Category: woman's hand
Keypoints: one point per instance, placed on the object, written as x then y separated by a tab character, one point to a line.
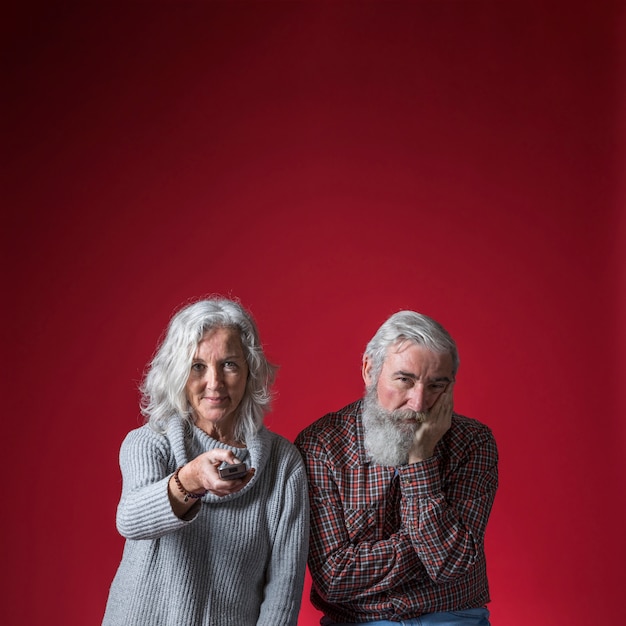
200	476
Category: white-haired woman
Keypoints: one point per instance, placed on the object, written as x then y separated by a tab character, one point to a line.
206	544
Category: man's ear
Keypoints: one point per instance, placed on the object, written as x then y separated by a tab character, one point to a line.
366	372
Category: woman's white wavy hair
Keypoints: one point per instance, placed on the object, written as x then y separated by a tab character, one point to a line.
409	326
163	387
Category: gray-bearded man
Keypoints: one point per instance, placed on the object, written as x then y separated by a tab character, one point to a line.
401	489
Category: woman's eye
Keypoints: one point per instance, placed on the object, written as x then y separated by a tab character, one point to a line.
198	367
230	365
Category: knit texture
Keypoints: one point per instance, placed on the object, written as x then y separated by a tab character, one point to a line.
237	560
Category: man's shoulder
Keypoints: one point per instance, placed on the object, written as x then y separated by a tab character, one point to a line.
332	426
469	424
466	430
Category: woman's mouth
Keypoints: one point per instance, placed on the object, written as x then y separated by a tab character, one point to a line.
214	399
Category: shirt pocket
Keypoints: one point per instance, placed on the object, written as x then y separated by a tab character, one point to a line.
361	524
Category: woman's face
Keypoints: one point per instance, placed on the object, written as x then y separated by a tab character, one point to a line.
217	381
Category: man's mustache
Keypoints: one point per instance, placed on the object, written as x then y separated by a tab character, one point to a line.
406	415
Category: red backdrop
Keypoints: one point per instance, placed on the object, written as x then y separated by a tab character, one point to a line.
328	164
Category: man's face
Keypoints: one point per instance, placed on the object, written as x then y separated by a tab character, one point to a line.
410	382
412	377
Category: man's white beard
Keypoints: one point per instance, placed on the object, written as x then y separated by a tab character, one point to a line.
388	440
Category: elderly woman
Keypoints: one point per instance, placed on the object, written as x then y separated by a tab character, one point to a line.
203	547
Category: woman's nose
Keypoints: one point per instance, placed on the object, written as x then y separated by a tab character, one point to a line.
213	378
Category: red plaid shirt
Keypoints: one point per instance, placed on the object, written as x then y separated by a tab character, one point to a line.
395	545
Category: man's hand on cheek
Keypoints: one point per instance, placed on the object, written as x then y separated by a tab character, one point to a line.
434	427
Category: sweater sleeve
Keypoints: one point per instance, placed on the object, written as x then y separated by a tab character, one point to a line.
286	567
144	511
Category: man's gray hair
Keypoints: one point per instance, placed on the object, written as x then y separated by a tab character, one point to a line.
163	387
409	326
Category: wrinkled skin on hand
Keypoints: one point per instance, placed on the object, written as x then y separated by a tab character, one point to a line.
434	427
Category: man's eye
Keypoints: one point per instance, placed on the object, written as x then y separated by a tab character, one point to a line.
437	386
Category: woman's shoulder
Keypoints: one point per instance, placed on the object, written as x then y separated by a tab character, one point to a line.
279	444
145	437
274	438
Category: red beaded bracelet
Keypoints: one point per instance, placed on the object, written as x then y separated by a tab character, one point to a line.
187	494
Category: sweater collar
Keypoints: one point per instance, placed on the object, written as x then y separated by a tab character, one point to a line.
186	445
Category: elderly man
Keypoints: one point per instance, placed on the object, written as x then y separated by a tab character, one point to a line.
401	489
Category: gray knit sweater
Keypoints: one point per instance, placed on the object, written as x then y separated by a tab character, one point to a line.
237	560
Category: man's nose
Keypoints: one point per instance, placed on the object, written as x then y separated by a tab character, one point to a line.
416	398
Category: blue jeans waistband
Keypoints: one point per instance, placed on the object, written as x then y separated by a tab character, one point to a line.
467	617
